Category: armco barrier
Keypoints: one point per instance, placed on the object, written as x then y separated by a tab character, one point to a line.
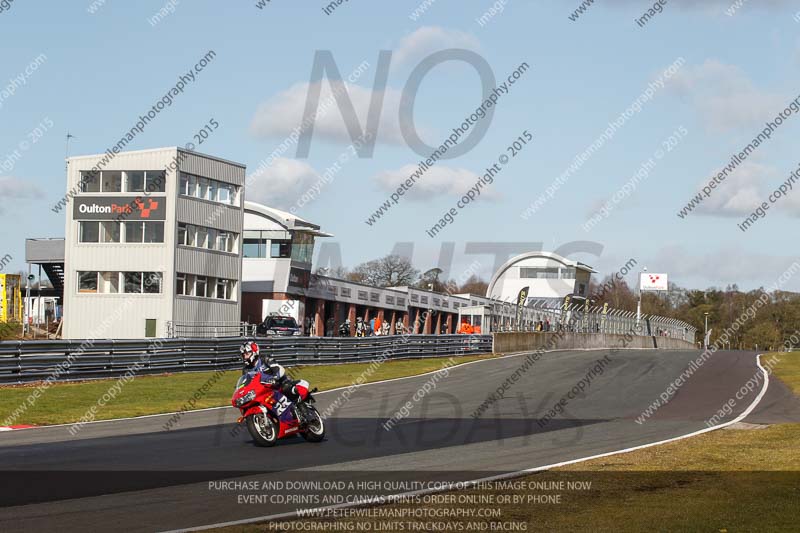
27	361
526	342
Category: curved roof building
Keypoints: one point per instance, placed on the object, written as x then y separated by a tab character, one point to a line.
550	277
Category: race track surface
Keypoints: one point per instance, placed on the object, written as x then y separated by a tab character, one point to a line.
134	475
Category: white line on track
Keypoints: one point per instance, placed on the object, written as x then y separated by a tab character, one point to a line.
466	484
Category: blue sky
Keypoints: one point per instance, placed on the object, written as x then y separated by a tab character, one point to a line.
103	69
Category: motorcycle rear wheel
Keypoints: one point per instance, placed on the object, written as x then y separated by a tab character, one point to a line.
262	429
315	427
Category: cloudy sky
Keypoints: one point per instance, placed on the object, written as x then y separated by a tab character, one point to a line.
102	64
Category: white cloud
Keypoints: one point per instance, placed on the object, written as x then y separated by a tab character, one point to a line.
437	181
429	39
15	188
741	192
281	114
749	186
721	267
724	97
281	184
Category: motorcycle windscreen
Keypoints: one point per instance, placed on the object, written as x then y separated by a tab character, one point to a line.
245	380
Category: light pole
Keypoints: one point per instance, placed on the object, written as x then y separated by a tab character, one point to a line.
705	333
639	303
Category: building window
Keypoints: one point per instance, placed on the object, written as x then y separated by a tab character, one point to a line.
153	232
202	237
346	292
200	286
110	231
180	284
362	295
213	239
112	181
401	302
280	249
149	181
203	185
374	297
87	281
538	273
208	189
226	194
182	234
156	181
436	301
415	297
568	273
252	245
134	232
224	241
390	300
89	231
302	247
90	181
424	300
109	282
224	289
133	282
211	243
152	282
134	180
184	187
147	232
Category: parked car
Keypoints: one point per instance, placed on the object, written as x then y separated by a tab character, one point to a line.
284	326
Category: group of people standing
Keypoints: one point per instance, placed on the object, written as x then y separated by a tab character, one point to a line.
374	327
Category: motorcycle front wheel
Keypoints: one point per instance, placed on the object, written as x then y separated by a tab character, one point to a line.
262	429
315	427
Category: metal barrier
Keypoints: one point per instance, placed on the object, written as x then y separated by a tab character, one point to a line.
578	318
27	361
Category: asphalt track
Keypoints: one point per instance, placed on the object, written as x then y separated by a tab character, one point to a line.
135	476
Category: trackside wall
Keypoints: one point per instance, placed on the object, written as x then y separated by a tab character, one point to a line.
525	342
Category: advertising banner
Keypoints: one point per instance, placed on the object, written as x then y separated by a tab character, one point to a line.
121	208
653	282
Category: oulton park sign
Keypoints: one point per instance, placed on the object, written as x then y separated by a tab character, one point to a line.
120	208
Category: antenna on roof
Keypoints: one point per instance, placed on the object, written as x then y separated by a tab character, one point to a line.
66	151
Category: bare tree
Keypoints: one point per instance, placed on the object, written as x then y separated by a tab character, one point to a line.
474	285
389	271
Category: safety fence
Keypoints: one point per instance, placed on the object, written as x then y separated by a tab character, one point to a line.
27	361
580	318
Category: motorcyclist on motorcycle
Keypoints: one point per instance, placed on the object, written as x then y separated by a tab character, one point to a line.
274	375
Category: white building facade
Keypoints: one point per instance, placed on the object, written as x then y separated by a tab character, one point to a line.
550	278
152	241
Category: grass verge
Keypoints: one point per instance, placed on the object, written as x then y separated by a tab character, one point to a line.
146	395
727	480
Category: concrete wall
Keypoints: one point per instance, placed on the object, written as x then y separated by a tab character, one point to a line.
526	342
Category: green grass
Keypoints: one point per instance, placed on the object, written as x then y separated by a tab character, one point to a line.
10	331
146	395
787	369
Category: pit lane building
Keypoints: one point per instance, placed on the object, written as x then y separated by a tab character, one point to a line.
162	243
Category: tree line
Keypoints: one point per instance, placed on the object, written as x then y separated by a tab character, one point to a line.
769	329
